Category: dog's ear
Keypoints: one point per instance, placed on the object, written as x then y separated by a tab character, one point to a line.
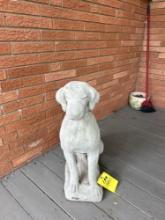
60	98
94	97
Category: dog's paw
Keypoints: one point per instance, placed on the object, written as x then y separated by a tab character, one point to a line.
74	184
73	187
97	191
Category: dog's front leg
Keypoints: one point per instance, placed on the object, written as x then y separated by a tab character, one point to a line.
72	165
93	158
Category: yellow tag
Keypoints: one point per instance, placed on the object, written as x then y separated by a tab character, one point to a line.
108	182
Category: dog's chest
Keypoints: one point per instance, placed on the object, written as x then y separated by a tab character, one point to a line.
79	136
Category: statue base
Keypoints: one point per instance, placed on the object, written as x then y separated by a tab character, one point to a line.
85	192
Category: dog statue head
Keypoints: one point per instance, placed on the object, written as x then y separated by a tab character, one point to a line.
77	98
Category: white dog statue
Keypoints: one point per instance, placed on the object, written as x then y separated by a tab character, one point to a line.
80	141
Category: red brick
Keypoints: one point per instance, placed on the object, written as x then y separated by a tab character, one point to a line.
108	80
73	64
32	47
109	36
94	27
27	70
27	21
86	36
17	60
30	91
1	142
42	1
120	74
2	131
2	20
56	2
8	96
33	133
113	3
54	85
86	78
102	10
10	138
158	24
109	20
55	113
5	48
87	6
33	80
48	57
79	15
158	37
37	143
86	53
1	111
161	55
50	95
73	45
28	123
87	70
57	56
157	11
159	4
27	156
130	43
9	85
111	86
31	138
12	34
60	75
16	150
79	5
20	7
108	51
2	75
22	103
37	108
92	61
157	30
4	152
54	67
57	35
53	142
67	24
6	119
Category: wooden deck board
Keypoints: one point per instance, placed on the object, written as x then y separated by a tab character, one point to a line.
125	170
32	199
126	189
10	208
52	185
122	169
134	153
122	131
110	200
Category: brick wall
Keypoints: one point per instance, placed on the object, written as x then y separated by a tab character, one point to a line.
46	43
157	61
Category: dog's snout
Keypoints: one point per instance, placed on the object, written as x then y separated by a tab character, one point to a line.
73	116
75	110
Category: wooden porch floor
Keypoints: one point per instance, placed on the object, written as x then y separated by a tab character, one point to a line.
134	153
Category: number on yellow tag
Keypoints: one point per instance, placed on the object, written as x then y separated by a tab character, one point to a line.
107	181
